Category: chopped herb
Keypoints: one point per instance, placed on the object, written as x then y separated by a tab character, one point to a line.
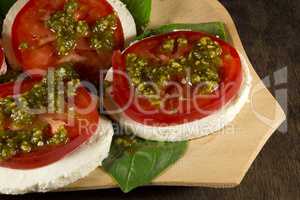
71	6
60	137
168	46
182	42
66	72
82	28
67	29
200	66
23	45
25	135
26	141
103	33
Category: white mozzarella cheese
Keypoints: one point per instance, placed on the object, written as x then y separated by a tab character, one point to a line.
3	66
127	21
73	167
191	130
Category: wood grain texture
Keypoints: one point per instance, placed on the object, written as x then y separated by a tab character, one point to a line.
268	31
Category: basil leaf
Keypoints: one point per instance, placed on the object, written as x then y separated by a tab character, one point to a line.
135	162
141	11
5	6
214	28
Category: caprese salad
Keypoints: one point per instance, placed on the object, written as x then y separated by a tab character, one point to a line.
44	128
39	34
51	133
177	86
170	87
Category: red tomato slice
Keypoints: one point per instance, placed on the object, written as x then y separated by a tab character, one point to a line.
78	133
192	108
30	27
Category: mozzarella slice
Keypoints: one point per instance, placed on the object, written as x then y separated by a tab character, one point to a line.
73	167
127	21
191	130
3	67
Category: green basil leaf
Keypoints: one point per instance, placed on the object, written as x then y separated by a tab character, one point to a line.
5	6
135	162
141	11
214	28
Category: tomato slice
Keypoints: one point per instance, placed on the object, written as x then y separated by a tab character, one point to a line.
192	107
78	133
30	26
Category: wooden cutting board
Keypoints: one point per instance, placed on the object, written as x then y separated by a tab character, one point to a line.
222	159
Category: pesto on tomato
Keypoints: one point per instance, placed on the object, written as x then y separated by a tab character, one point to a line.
34	124
69	30
20	130
84	32
175	78
199	66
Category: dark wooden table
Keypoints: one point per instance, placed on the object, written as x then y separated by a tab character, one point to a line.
270	32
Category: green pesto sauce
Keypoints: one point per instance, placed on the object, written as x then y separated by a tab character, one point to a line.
103	33
26	141
168	46
23	45
68	30
21	138
200	66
